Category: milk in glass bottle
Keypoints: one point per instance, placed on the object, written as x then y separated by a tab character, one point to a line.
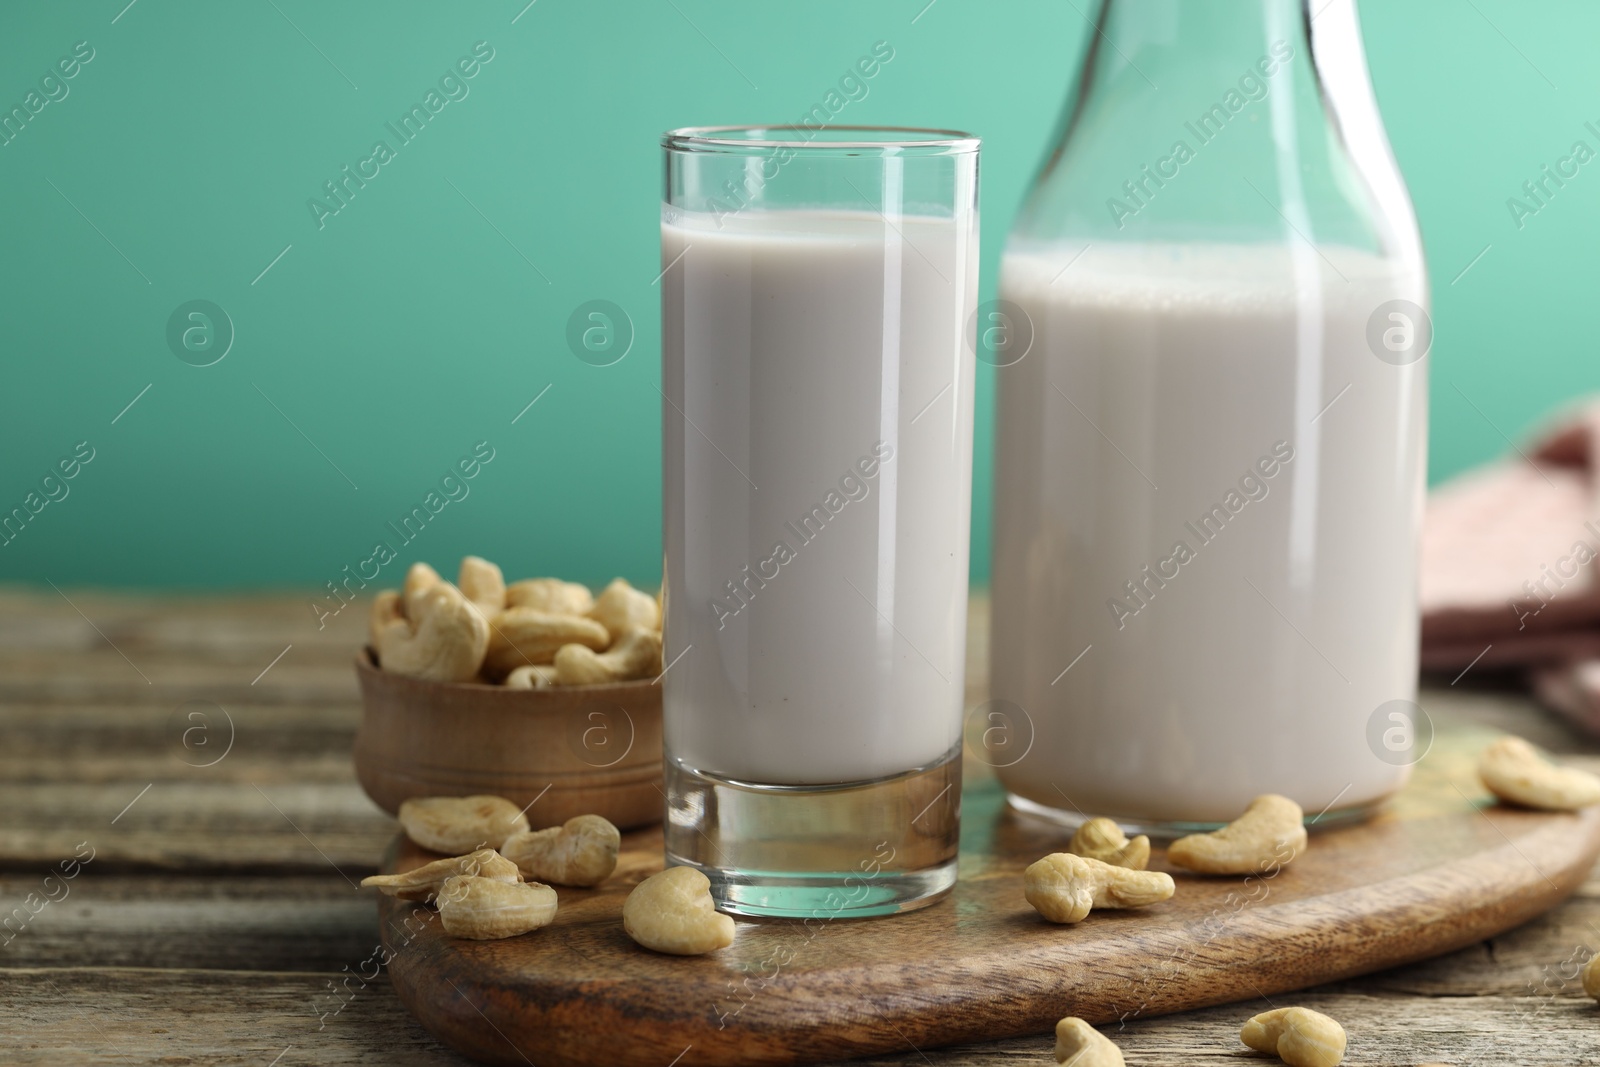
1211	429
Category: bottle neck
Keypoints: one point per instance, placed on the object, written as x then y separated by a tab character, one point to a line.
1184	50
1161	27
1246	121
1341	62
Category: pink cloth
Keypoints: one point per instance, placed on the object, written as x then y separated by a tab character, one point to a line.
1509	568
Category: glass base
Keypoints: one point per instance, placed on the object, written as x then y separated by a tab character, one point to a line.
1166	830
850	850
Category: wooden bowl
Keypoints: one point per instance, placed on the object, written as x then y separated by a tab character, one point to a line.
565	751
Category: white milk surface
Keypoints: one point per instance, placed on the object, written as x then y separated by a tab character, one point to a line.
1161	380
817	430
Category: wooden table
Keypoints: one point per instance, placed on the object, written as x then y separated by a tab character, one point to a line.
218	920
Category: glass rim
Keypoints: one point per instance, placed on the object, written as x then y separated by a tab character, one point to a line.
893	140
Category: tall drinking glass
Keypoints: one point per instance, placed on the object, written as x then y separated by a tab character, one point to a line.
818	291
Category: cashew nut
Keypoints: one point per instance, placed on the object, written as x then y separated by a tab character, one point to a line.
482	583
423	883
1269	835
672	911
459	824
550	595
1063	887
1103	840
1514	771
387	607
636	654
1299	1036
621	606
581	852
1080	1045
441	636
532	676
483	909
420	577
520	636
1591	976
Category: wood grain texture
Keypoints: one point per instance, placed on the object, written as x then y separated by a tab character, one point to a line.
555	752
132	1017
281	922
244	1019
1441	869
208	928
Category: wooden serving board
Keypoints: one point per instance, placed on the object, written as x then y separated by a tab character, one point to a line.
1442	866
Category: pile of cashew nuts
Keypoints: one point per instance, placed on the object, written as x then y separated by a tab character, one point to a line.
1103	869
527	635
500	884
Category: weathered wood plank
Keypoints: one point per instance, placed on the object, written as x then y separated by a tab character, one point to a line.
1530	960
316	922
223	627
204	741
126	919
187	823
120	1016
96	678
131	650
252	1019
26	607
1389	1029
306	923
330	766
1509	710
190	966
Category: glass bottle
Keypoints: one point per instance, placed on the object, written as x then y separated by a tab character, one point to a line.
1211	429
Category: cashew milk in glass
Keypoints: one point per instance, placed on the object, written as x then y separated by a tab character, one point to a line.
823	526
817	297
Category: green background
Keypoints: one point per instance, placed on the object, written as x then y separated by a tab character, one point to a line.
428	312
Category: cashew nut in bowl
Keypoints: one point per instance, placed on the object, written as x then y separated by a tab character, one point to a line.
1299	1037
441	637
1514	771
484	909
423	629
620	607
419	577
1103	840
519	636
1269	835
550	595
636	654
1064	888
456	824
482	583
532	676
581	852
1080	1045
386	608
423	883
672	911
